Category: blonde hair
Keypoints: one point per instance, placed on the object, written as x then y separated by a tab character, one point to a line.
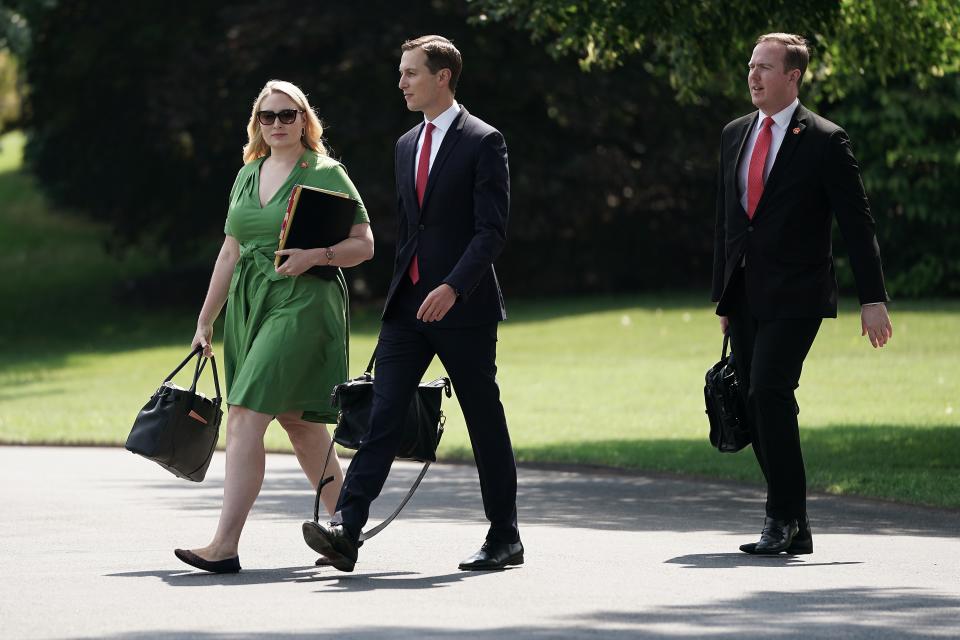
257	147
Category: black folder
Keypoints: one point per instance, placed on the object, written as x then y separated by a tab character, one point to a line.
316	218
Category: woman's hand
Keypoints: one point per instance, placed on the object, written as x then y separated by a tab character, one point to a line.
298	260
203	337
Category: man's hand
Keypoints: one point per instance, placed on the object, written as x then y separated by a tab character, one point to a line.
298	261
437	304
724	324
875	323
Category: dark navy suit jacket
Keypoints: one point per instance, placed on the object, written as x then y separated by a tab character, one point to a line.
462	226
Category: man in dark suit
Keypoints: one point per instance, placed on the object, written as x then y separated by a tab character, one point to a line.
453	198
785	173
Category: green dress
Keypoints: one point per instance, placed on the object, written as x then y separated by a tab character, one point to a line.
285	338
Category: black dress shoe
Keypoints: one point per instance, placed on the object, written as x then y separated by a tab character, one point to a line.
333	542
229	565
802	543
323	561
776	537
494	555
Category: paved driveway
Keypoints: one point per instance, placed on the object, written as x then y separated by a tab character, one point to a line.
86	540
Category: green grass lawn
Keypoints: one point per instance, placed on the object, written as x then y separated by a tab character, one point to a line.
608	380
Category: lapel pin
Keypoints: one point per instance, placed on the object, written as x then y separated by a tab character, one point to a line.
796	130
303	165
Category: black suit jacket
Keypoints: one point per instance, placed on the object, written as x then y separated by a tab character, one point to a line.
462	226
789	271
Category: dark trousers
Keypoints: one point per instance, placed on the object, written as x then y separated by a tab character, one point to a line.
768	356
404	352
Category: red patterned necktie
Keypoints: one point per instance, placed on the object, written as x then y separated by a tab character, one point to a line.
423	171
757	162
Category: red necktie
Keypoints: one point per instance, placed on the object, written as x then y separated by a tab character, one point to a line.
423	171
757	162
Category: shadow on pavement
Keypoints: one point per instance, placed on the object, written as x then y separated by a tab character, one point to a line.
334	581
618	502
738	559
829	613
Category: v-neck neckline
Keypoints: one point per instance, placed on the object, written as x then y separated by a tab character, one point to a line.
293	170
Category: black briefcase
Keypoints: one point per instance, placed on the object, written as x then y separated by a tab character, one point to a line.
422	428
729	427
178	428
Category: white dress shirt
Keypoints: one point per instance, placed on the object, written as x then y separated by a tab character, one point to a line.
442	122
778	130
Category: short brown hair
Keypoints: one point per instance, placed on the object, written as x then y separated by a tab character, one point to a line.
441	54
798	52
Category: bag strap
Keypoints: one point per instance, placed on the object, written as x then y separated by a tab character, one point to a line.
373	358
726	341
323	482
369	533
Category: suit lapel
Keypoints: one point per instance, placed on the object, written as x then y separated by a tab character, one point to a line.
408	167
791	139
736	152
450	139
742	143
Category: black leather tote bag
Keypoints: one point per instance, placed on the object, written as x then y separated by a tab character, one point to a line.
729	428
178	428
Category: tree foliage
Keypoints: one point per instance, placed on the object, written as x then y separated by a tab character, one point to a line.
140	123
886	70
907	145
701	45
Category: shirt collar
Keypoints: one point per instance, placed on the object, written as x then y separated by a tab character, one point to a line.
781	118
445	119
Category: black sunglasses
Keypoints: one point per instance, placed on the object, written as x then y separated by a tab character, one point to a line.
287	116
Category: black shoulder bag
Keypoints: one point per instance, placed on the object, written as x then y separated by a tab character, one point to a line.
178	428
729	427
422	429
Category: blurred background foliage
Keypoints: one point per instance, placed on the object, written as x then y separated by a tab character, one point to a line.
612	110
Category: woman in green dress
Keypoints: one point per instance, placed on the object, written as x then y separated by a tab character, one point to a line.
285	335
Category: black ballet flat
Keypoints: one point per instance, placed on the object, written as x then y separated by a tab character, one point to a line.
228	565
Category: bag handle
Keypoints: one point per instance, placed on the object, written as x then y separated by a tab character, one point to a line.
216	380
180	366
726	341
201	363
